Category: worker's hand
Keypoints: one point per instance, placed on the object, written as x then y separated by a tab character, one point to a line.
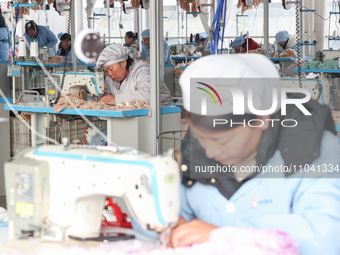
165	236
188	233
108	99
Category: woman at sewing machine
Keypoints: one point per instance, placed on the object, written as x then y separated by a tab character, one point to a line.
304	205
65	49
43	35
127	78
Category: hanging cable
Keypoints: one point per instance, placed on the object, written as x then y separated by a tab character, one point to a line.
69	22
221	10
297	27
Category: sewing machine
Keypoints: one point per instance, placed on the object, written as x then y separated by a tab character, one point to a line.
57	191
318	87
327	54
45	53
94	82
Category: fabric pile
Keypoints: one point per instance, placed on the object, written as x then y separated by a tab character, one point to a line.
227	240
327	64
242	3
185	5
289	53
54	60
93	105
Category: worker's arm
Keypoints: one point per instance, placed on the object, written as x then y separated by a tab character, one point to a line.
314	221
51	38
9	36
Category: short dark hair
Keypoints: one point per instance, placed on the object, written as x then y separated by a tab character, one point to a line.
65	36
31	25
131	34
129	62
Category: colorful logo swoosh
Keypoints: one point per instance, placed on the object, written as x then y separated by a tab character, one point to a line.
209	93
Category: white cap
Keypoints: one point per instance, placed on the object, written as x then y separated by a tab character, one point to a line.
112	54
214	76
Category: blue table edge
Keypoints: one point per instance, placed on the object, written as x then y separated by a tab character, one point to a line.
97	113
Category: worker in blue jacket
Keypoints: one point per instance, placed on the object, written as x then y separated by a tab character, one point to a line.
5	40
43	35
285	41
145	54
249	170
65	47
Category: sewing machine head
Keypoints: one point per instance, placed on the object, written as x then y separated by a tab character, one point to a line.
74	81
56	192
45	53
323	55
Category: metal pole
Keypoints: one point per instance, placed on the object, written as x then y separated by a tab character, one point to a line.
302	25
266	26
13	78
73	32
156	62
108	21
320	26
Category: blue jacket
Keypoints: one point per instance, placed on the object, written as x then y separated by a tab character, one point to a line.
44	37
5	43
68	57
306	208
146	53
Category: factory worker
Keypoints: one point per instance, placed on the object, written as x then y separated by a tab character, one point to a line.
285	41
5	40
127	78
304	204
240	44
145	54
203	37
130	39
65	48
43	35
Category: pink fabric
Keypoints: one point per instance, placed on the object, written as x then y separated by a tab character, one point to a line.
255	241
226	241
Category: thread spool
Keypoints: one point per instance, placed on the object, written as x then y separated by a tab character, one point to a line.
34	49
22	49
197	38
305	37
314	37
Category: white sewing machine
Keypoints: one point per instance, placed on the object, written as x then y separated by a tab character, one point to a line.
56	191
318	87
327	54
94	82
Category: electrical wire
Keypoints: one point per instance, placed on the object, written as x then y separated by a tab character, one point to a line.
167	20
304	7
69	21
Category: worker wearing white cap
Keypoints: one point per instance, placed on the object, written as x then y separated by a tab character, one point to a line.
237	149
285	41
127	78
145	54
